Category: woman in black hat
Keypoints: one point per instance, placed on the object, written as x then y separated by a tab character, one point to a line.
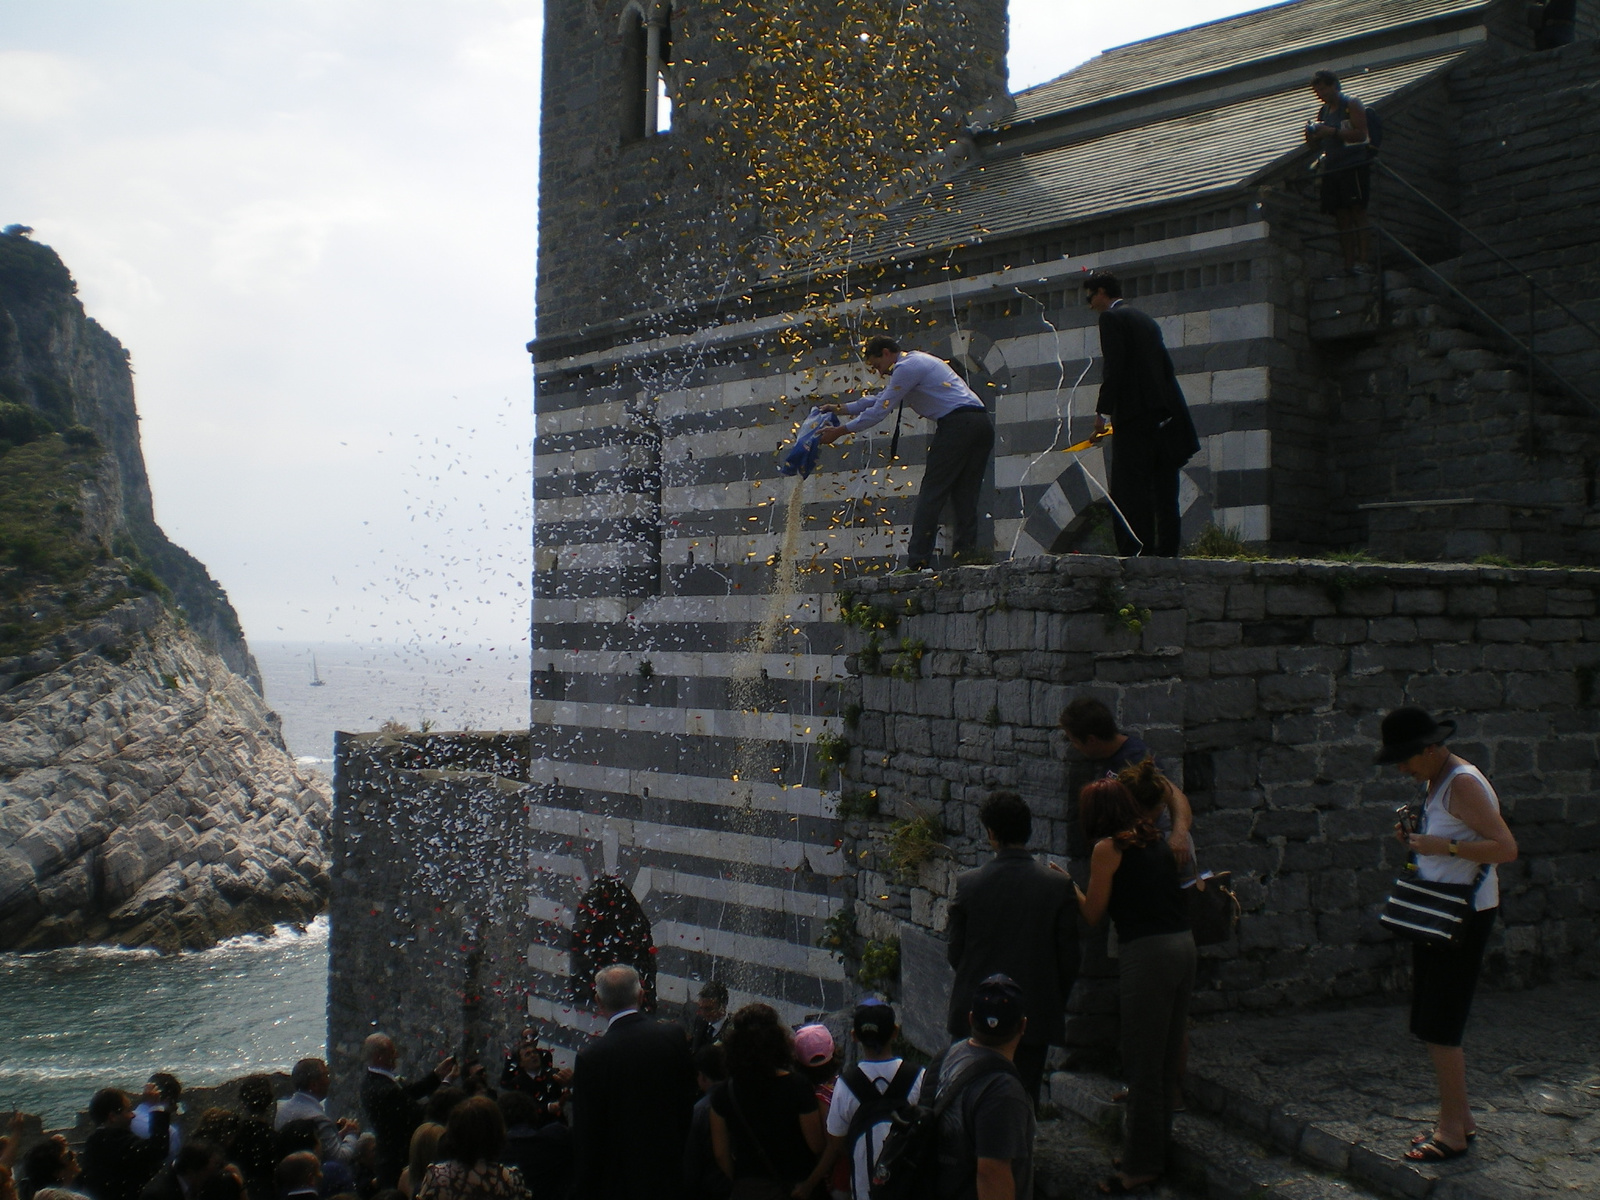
1461	832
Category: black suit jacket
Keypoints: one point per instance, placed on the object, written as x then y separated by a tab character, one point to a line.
632	1092
394	1110
1017	917
117	1163
1139	392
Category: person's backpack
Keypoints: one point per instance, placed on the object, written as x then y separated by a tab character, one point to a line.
874	1108
908	1165
1374	128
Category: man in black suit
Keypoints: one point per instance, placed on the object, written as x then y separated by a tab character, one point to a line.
1015	917
117	1163
1154	434
633	1090
710	1016
394	1109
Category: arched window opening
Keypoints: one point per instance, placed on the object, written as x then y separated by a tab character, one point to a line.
610	927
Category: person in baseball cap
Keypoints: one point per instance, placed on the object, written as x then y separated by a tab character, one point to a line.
874	1023
996	1015
813	1046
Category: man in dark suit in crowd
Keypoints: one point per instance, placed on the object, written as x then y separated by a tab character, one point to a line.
394	1109
117	1163
710	1016
632	1092
1154	434
1016	917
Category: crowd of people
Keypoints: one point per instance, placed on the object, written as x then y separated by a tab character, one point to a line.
739	1106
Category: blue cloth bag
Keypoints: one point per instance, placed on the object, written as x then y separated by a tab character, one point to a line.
801	458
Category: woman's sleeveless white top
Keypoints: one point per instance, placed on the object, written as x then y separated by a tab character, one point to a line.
1438	821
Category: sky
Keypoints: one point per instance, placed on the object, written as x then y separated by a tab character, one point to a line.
313	223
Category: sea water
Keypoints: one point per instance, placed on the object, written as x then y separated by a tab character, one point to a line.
75	1020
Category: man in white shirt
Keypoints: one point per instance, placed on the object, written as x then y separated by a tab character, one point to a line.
337	1138
163	1090
958	456
882	1080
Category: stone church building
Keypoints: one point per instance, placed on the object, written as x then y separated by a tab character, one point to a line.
673	750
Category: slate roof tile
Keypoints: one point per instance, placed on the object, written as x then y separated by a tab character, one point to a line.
1234	41
1216	149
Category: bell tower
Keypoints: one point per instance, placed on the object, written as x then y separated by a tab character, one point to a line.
638	99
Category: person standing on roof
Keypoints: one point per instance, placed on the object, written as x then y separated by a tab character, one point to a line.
1341	130
963	440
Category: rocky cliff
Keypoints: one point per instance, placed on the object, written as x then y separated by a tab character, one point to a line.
146	796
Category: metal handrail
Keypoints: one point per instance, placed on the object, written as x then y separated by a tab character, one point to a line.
1527	278
1533	359
1535	363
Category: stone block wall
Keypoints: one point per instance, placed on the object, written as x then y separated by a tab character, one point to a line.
428	917
1528	168
1440	450
1260	687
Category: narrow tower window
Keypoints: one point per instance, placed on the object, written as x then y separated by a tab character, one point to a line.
646	68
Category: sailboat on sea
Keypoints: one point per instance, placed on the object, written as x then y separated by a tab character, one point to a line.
316	680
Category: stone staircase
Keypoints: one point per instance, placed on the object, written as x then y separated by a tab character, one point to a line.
1218	1156
1442	450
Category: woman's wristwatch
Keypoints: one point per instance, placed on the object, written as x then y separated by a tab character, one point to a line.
1455	848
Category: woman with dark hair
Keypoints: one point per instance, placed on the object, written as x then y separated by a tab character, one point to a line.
422	1153
766	1131
1459	839
1134	876
468	1168
49	1164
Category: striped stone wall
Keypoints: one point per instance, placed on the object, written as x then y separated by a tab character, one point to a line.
671	745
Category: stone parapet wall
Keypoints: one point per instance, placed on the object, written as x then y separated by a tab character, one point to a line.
1260	686
428	918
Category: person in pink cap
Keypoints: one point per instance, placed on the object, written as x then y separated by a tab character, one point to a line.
818	1060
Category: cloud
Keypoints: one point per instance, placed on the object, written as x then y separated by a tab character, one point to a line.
37	86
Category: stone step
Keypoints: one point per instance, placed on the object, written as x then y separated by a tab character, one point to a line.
1385	1174
1209	1158
1240	1168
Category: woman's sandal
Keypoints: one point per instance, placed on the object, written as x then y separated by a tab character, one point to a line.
1428	1137
1435	1151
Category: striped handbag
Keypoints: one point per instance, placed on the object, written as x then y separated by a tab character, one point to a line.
1434	914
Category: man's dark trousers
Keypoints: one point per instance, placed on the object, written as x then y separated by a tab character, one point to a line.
957	459
1145	491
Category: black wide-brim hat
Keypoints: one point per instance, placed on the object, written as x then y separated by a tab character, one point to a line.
1409	731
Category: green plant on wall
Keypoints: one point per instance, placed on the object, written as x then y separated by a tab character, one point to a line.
880	965
852	716
1215	541
839	934
832	751
912	842
858	806
1119	610
870	659
864	616
908	663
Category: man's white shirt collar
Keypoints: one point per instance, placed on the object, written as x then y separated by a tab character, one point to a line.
615	1017
384	1073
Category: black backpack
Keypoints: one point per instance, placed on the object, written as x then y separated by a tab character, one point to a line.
873	1107
908	1165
